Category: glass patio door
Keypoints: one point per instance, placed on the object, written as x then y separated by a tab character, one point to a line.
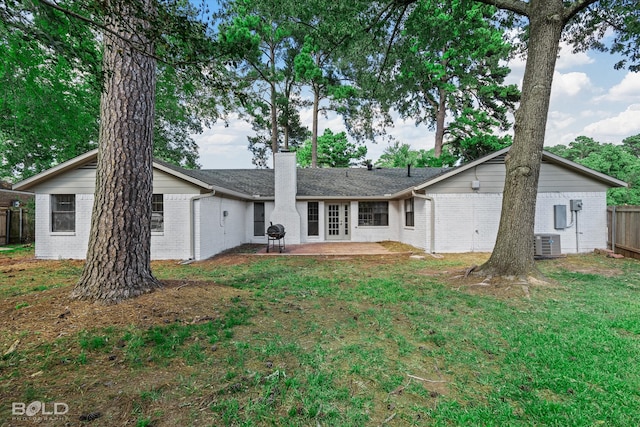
337	217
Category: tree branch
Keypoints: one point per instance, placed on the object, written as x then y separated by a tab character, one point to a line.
576	8
517	6
396	29
134	45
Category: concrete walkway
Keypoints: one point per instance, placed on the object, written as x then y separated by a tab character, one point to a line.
329	248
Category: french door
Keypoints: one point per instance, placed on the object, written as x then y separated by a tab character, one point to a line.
337	217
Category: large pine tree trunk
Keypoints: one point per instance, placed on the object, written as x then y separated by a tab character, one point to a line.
440	122
314	126
274	106
118	264
513	254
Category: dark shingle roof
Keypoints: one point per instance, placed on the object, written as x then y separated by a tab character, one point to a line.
353	183
247	181
318	182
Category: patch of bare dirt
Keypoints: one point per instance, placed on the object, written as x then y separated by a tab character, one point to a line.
588	264
52	314
505	288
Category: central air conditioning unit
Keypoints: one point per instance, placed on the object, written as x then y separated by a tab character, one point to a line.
547	245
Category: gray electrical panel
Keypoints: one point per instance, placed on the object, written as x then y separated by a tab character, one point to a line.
576	205
560	217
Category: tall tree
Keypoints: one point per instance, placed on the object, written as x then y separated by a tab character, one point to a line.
50	74
135	34
333	150
49	93
118	264
264	41
547	19
447	70
334	32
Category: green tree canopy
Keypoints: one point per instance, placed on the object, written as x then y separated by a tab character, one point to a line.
617	160
334	150
50	84
398	155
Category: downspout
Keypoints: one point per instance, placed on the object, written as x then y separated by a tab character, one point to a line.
192	220
432	244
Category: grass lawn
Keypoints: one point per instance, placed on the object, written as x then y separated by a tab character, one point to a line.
245	340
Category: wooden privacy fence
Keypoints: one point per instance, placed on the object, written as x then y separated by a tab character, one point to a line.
16	226
623	223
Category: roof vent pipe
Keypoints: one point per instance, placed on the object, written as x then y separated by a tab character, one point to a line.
409	169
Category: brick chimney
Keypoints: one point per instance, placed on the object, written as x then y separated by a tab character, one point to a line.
286	188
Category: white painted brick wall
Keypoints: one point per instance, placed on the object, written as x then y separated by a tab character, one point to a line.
469	222
591	225
67	245
216	232
174	241
419	234
377	233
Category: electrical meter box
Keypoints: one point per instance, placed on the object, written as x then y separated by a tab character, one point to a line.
559	217
575	205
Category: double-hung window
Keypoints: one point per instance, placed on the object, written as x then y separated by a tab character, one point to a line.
312	219
63	212
157	213
409	220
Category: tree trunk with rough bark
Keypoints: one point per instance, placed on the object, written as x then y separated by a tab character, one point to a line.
273	96
440	119
118	264
513	254
314	125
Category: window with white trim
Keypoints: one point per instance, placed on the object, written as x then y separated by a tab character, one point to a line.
258	218
409	220
157	213
312	218
373	213
63	212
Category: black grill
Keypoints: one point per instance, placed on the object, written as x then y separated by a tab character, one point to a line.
275	232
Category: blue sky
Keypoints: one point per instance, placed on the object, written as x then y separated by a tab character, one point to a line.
589	97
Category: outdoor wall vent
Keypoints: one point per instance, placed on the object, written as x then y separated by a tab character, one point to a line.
547	245
475	185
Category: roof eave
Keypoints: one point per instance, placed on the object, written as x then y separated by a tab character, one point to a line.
183	177
56	170
609	180
461	169
238	194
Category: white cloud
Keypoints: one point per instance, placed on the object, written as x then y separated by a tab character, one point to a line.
616	128
569	84
223	147
627	90
560	120
568	59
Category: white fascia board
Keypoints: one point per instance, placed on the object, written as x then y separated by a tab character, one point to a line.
182	176
614	182
56	170
460	169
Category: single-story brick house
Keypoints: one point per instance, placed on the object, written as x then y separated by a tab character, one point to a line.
200	213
